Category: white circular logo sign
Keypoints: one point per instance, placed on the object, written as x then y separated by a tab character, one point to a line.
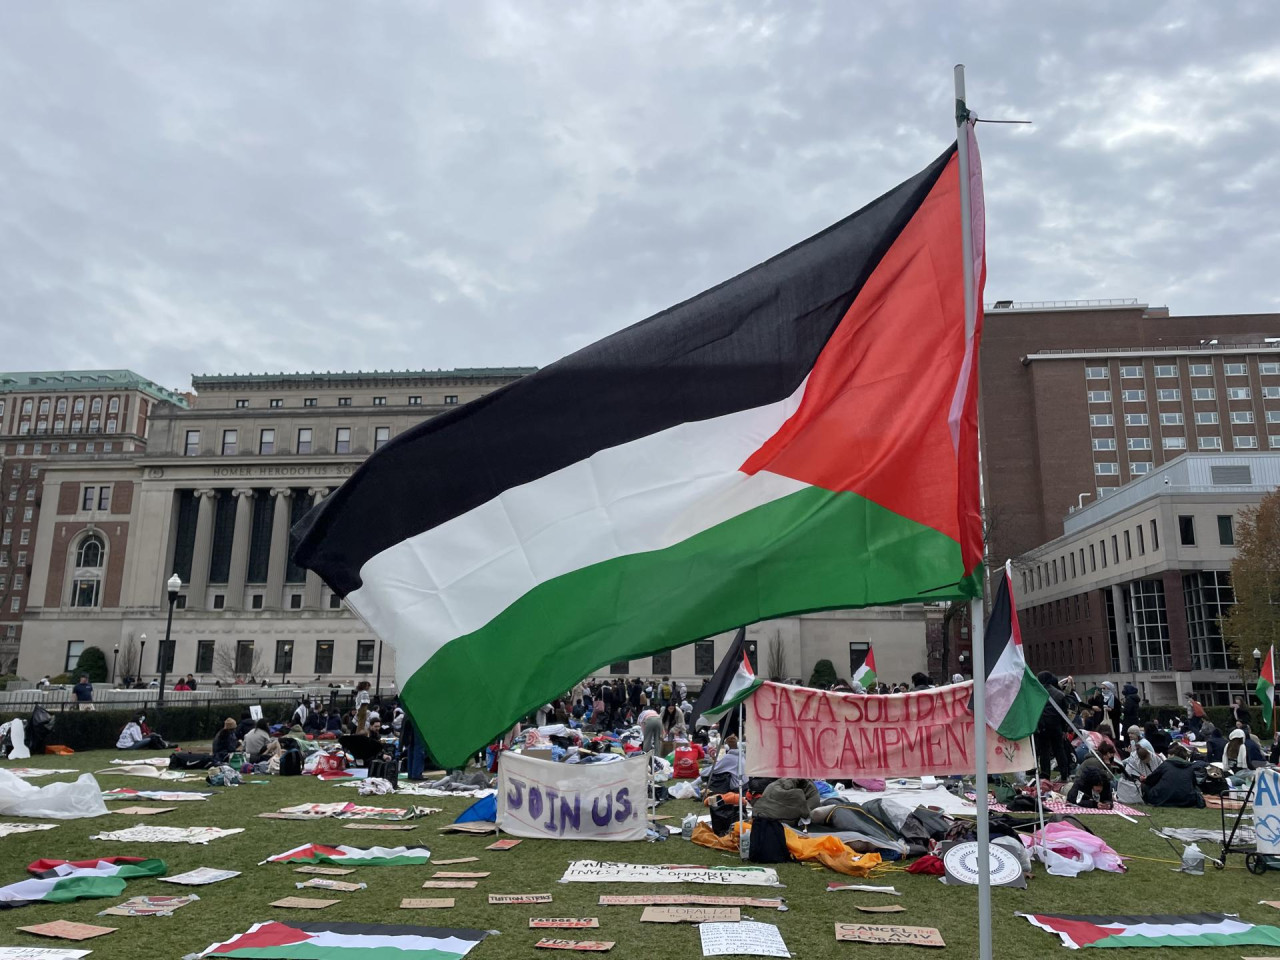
961	861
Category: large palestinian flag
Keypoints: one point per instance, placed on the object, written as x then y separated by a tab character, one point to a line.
354	856
1196	930
62	881
340	941
801	437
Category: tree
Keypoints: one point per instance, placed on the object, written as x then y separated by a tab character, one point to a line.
824	675
230	664
92	662
1254	621
777	657
128	660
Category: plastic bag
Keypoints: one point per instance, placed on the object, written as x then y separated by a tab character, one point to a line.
683	790
55	801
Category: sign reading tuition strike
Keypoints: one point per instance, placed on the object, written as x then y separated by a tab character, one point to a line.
799	732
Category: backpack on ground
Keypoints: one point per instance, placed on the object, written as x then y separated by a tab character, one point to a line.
768	841
291	763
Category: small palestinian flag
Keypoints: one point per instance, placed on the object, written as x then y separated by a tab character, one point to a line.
1015	698
801	437
1196	930
354	856
744	684
62	881
336	941
866	674
1266	688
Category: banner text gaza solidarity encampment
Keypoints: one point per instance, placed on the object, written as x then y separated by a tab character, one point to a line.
799	732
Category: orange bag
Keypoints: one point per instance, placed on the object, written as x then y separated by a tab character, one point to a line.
58	750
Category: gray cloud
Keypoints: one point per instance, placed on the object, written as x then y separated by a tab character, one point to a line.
249	186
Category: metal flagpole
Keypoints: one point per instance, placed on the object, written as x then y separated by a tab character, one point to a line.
742	787
976	622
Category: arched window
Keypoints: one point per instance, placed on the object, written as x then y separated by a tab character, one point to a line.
90	552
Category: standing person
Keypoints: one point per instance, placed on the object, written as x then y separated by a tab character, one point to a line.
1049	742
683	690
607	696
633	695
83	693
1111	704
1240	713
1130	705
363	698
664	692
651	730
1195	714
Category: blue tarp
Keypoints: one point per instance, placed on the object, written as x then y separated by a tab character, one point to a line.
486	808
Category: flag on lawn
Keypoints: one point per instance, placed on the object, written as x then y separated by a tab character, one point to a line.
714	690
866	674
62	881
335	941
1196	930
353	856
744	684
1266	688
1015	698
801	437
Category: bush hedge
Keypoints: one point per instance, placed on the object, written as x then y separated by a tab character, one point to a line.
193	727
824	675
93	663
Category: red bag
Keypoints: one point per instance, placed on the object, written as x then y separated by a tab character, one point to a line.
330	763
685	765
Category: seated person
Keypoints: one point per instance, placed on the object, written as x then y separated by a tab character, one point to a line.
301	714
1157	737
1173	783
244	726
1242	753
226	742
1142	762
334	723
259	745
684	761
136	735
1090	788
726	774
1214	742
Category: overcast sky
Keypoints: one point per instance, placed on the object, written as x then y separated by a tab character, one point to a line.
190	188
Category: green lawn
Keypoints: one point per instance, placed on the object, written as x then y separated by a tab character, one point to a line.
535	866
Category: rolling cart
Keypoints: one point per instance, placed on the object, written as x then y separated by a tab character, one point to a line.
1255	862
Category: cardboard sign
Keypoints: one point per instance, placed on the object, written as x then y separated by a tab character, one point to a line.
1266	811
475	826
148	906
42	953
597	871
799	732
691	915
449	885
599	946
304	903
745	939
67	930
563	923
200	876
325	871
896	936
503	845
445	863
519	897
255	712
691	899
891	908
562	801
380	826
324	883
459	875
863	888
143	811
426	903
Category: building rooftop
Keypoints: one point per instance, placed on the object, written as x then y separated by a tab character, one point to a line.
1211	473
351	376
1039	306
39	381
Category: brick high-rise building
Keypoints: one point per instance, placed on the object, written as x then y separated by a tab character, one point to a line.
92	416
1080	397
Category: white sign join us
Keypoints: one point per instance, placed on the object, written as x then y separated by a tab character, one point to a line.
1266	811
563	801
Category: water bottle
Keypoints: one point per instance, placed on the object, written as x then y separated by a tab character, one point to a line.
687	825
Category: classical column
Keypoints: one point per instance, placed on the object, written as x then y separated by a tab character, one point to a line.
202	552
240	549
279	547
311	599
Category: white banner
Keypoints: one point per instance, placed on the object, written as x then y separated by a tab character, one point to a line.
572	801
596	871
1266	811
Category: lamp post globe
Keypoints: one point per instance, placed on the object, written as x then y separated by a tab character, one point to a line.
142	656
174	585
1257	661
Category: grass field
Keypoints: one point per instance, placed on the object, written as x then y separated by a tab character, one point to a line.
231	906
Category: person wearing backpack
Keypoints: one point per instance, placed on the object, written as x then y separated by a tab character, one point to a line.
664	692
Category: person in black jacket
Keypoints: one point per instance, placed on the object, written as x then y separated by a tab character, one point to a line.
1156	737
1174	782
226	742
246	724
1129	705
1240	713
1214	742
1051	746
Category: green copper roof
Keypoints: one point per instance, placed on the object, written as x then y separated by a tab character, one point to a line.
333	376
40	381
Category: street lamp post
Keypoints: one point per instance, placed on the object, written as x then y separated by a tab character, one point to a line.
284	664
115	652
142	656
174	585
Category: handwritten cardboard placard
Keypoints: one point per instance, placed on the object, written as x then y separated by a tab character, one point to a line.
42	953
691	915
519	897
143	811
598	871
67	930
745	939
326	883
598	946
888	935
503	845
459	875
200	876
445	863
148	906
799	732
449	885
304	903
690	899
474	826
426	903
325	871
380	826
563	923
889	908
